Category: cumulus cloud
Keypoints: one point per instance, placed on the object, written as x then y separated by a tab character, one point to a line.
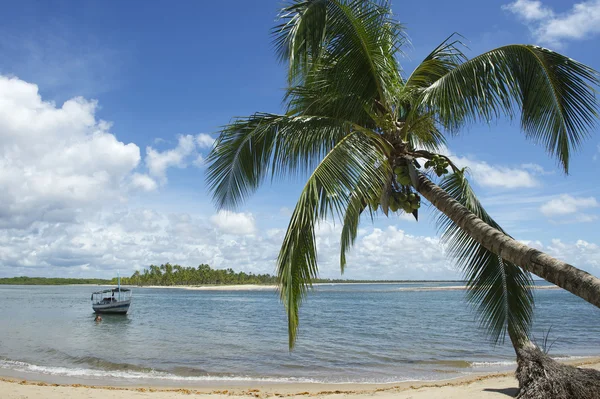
497	176
205	140
187	148
56	161
530	10
580	22
158	162
234	223
567	205
143	182
581	253
200	161
131	239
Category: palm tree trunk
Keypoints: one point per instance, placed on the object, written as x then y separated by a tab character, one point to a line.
538	374
566	276
541	377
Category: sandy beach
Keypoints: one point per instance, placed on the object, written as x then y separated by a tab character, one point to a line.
490	386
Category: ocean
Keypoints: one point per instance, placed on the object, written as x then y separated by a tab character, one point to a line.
349	333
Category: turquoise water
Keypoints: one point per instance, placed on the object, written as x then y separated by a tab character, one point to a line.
348	333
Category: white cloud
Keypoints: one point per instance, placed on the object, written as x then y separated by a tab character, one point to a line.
234	223
200	161
130	239
568	205
499	176
580	22
391	252
205	140
530	10
56	161
582	254
143	182
536	169
187	147
158	162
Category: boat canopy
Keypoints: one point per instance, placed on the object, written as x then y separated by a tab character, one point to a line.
112	290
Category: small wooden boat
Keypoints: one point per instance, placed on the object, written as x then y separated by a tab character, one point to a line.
114	300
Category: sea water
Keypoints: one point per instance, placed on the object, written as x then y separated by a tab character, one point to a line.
363	333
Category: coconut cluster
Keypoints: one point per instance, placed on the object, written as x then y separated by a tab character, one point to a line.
402	197
439	165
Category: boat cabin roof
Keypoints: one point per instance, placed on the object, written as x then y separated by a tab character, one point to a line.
112	290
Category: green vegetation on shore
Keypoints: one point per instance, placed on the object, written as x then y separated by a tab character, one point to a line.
22	280
172	275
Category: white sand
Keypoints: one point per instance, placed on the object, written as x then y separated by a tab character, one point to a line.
492	386
254	287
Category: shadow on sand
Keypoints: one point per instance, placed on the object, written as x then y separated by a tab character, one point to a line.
512	392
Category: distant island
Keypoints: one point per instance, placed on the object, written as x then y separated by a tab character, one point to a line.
22	280
174	275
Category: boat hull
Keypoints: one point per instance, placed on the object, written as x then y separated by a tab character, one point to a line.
115	308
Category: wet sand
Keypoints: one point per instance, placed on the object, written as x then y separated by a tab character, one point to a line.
490	386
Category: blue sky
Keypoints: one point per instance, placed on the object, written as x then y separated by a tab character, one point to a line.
108	108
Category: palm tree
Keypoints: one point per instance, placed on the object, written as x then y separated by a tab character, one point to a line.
371	140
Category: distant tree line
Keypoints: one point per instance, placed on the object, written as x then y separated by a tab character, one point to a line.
22	280
168	274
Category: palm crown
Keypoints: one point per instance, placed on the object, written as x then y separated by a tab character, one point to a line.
365	134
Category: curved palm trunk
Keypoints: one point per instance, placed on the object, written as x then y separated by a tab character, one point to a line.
538	374
566	276
541	377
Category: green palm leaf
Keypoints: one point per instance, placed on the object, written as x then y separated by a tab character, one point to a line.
348	47
554	93
349	113
443	59
250	149
500	289
354	166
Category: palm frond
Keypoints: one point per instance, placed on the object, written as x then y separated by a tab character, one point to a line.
358	202
420	130
354	210
347	46
501	290
352	166
438	63
250	149
299	38
555	95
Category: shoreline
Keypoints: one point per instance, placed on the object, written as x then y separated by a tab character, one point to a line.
256	287
489	385
273	287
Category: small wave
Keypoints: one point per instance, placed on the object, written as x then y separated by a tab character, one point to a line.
513	363
456	364
442	288
493	364
138	375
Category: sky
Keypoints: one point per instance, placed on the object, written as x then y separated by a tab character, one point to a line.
108	110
